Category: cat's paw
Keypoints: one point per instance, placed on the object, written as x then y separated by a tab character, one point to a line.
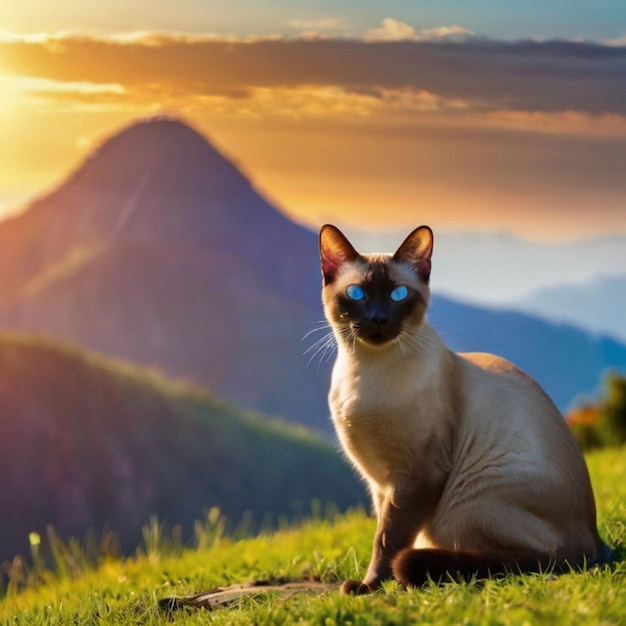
355	588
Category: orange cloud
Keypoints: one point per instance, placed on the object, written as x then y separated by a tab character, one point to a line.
524	76
325	125
485	82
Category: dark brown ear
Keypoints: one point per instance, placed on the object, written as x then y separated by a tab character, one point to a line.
417	250
335	250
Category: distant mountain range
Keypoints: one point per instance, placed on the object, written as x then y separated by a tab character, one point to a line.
578	282
498	268
92	443
565	360
598	305
159	251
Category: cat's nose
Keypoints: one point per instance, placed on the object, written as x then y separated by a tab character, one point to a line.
379	318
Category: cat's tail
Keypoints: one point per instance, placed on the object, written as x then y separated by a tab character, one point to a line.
413	567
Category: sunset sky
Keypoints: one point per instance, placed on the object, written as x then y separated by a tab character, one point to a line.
474	115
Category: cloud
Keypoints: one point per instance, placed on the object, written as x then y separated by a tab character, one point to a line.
429	121
617	41
445	32
311	30
395	30
392	30
476	77
47	95
45	86
329	23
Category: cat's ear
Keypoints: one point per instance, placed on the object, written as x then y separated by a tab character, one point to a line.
416	251
335	250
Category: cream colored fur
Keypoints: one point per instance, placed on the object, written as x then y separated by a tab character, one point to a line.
481	432
515	476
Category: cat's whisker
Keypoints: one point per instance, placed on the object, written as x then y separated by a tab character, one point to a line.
399	340
322	341
323	353
321	325
351	336
322	347
318	346
416	339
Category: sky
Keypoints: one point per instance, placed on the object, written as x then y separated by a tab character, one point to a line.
480	115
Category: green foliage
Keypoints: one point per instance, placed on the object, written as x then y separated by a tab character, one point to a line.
587	436
609	429
612	423
329	547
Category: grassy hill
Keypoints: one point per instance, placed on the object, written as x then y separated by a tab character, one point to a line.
124	592
90	442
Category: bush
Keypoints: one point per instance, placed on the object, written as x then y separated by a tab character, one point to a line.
603	425
612	424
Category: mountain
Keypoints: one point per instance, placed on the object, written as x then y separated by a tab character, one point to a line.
567	361
159	251
90	442
157	182
598	305
464	264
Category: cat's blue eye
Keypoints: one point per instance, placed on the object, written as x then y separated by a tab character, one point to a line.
354	292
399	293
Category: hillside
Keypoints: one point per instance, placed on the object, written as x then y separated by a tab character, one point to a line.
88	442
158	250
323	552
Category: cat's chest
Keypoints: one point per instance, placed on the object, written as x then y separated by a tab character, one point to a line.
377	422
366	389
378	444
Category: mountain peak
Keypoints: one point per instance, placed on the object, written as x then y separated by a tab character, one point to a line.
147	147
158	180
161	133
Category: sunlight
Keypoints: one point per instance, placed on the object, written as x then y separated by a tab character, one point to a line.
11	92
54	93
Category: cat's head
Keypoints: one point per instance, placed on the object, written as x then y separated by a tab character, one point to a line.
375	298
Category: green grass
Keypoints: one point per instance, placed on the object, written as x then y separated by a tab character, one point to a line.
330	548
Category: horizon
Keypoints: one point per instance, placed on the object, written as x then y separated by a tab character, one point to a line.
383	117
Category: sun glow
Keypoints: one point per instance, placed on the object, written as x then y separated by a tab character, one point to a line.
375	131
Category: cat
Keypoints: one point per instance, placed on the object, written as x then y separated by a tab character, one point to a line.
471	468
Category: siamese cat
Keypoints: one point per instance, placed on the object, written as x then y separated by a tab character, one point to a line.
471	468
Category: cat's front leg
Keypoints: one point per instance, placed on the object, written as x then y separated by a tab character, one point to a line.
400	518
